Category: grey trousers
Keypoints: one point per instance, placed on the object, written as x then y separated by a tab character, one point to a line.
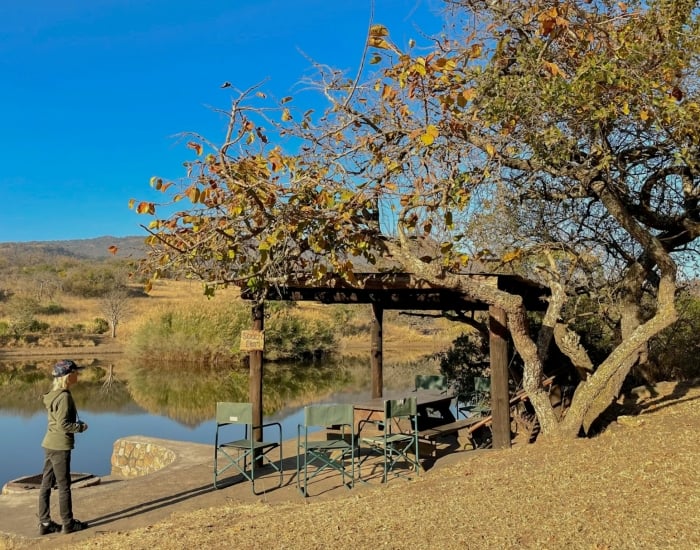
56	472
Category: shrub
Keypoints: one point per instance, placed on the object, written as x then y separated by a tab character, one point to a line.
99	325
464	360
213	336
52	309
675	353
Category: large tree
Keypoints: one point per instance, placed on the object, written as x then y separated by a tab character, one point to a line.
579	119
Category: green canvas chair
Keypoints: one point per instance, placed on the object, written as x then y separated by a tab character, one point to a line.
431	382
245	455
397	445
334	450
477	402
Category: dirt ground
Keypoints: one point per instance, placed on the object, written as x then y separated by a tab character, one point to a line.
636	485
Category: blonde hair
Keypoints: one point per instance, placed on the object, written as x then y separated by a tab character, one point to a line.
60	382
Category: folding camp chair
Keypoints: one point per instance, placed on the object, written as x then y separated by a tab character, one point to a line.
398	439
478	402
332	450
236	454
431	382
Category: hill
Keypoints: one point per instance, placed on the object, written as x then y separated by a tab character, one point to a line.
86	249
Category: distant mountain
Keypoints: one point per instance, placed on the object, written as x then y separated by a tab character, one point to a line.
97	248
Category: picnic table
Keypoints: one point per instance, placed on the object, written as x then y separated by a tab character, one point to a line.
433	407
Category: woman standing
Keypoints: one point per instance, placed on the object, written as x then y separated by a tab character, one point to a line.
58	442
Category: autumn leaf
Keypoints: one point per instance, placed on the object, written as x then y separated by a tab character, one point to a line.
146	208
286	115
377	34
512	255
196	147
553	69
193	193
431	132
378	31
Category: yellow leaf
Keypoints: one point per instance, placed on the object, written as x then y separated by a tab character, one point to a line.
431	132
378	30
379	43
512	255
644	115
286	115
490	149
625	108
131	203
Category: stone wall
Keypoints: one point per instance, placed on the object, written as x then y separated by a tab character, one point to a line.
134	457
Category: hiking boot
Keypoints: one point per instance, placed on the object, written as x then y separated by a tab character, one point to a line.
74	526
48	528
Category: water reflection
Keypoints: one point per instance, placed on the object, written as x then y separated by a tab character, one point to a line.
118	399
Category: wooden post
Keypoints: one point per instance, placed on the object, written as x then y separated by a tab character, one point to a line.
255	388
376	360
500	403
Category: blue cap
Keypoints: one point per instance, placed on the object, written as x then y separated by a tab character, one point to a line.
65	367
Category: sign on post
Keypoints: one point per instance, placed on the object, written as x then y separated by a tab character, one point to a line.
252	340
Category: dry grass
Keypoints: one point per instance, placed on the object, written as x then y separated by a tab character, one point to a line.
635	486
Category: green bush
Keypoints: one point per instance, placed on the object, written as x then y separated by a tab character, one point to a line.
675	353
213	336
464	360
93	281
52	309
100	326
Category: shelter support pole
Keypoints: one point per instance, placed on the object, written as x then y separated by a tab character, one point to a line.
500	403
376	360
255	388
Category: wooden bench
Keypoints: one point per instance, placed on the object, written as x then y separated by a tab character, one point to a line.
464	428
447	429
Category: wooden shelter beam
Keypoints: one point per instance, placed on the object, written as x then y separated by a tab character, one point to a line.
500	400
255	388
377	347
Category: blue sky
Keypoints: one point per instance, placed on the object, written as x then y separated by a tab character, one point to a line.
94	92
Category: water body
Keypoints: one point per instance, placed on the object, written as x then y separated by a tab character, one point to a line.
118	399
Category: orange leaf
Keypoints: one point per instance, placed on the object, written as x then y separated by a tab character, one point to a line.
196	147
553	69
146	208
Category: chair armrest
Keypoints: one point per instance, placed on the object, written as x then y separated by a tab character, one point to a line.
271	424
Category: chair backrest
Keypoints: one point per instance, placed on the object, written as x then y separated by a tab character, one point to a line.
329	415
400	408
431	382
482	384
234	413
